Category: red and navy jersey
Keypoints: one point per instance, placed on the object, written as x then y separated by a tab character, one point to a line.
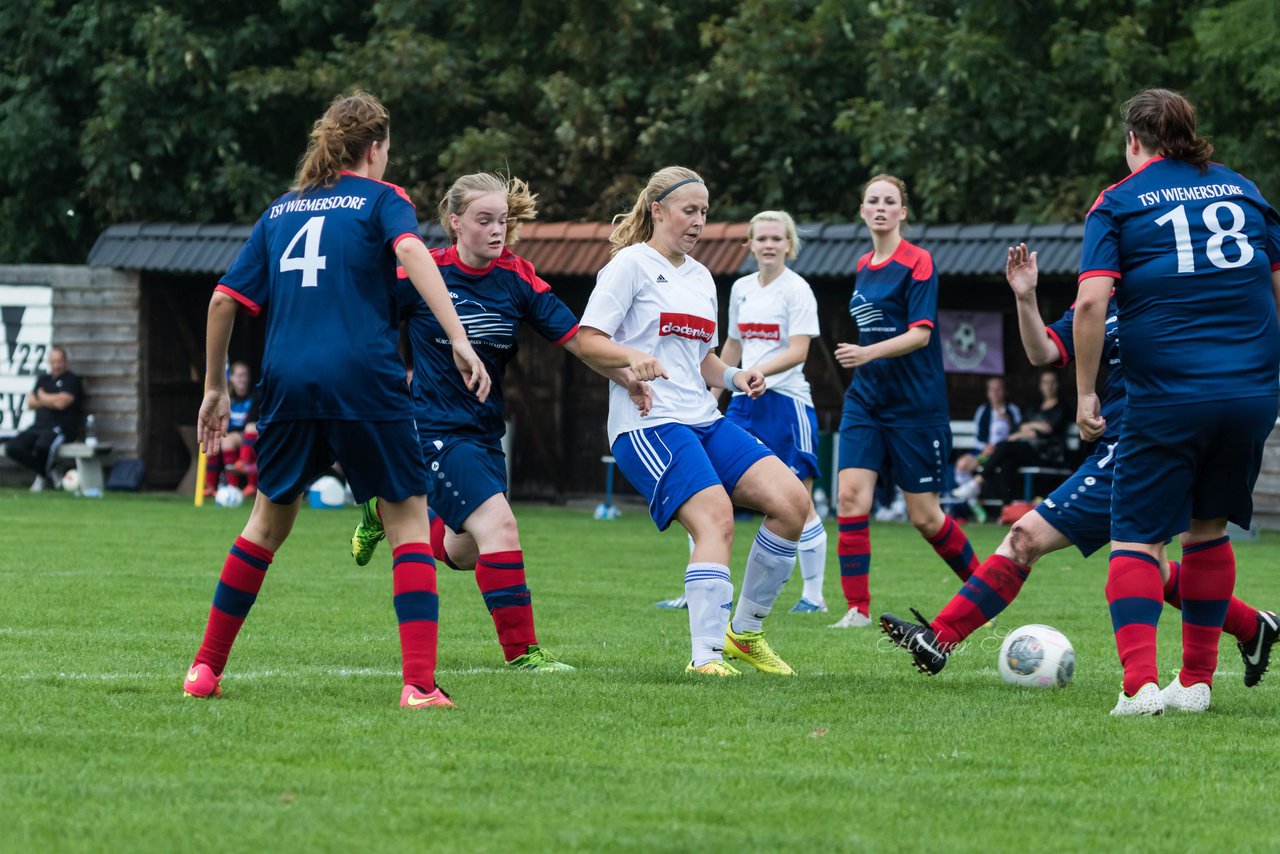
491	302
1192	253
322	263
244	411
1113	395
888	299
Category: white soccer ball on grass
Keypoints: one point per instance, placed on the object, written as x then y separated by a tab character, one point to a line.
1037	656
228	496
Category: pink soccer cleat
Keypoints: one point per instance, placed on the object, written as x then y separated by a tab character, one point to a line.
201	682
413	697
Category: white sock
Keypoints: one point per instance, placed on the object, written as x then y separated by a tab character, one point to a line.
812	557
768	567
710	595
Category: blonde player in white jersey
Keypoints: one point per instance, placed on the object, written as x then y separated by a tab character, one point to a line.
654	310
773	316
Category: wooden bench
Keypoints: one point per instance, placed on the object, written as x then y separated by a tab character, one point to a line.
964	434
88	460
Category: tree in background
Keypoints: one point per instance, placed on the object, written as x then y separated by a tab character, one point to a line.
121	110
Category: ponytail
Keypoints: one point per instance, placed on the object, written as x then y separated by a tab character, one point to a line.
340	138
636	226
1165	123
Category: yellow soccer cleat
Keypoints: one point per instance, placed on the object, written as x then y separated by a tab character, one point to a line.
713	668
752	648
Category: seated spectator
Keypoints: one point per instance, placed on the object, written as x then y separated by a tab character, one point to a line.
1040	441
993	423
239	460
58	403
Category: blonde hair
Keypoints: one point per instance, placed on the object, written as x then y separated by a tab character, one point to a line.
787	223
522	206
340	138
636	226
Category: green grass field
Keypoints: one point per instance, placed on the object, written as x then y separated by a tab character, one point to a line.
102	604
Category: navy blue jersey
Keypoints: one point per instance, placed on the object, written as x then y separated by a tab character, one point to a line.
1192	253
888	299
1112	395
491	303
244	411
323	265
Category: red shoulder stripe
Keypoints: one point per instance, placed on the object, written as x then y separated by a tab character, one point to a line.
509	260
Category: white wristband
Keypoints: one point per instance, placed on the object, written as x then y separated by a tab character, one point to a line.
729	374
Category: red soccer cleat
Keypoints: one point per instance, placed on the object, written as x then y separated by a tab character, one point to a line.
413	697
201	682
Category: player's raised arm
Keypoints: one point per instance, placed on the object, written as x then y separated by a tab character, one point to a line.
1022	273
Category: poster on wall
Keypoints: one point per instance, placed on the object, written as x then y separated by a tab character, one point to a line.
26	334
972	342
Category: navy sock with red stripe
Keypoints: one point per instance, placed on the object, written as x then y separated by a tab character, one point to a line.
238	585
988	591
1207	579
953	546
417	604
1134	593
853	547
500	576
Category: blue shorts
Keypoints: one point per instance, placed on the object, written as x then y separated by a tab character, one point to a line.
1080	509
462	474
378	458
670	463
785	425
1178	463
914	456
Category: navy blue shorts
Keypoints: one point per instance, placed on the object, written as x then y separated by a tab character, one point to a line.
378	458
1178	463
1080	509
462	474
670	463
787	427
915	457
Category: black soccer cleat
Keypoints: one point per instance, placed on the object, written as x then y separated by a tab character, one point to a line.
917	639
1257	652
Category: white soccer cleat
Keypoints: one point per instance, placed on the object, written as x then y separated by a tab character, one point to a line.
1186	698
967	490
1148	701
854	619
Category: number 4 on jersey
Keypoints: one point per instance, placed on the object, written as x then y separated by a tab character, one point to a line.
310	262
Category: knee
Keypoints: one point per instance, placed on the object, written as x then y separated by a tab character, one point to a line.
852	500
926	520
506	532
1022	544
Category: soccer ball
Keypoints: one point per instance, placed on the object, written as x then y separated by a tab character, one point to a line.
1038	656
71	480
228	496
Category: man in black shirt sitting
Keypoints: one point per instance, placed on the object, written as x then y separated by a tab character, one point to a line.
58	402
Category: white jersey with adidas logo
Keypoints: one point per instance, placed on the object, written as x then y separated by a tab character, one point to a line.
765	317
643	302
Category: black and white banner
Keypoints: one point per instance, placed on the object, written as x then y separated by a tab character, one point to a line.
26	334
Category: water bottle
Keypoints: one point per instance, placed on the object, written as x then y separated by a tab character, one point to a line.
90	435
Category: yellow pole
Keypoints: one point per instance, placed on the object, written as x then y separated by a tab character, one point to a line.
201	463
200	475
